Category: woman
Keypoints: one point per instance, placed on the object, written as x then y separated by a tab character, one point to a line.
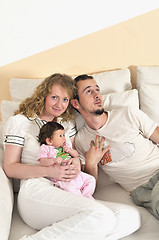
56	213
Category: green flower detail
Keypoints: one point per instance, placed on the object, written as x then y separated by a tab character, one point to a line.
63	155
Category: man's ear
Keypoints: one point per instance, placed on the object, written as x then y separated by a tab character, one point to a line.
75	103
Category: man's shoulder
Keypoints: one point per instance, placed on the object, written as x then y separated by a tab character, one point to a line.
82	131
81	136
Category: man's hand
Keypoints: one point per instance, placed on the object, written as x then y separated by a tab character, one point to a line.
96	151
94	155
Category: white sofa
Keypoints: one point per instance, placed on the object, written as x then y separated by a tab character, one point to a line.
117	91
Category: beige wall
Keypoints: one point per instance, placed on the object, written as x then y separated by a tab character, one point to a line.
128	44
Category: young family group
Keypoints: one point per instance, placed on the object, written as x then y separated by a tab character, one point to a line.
58	166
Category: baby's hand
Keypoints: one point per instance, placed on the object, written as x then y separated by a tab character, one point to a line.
66	149
58	160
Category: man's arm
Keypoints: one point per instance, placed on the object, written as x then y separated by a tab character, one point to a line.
155	135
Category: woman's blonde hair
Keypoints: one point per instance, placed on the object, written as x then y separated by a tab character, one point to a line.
35	104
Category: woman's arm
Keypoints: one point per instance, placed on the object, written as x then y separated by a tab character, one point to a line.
73	142
46	162
14	169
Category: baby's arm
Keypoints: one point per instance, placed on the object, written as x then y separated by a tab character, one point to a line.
44	156
47	162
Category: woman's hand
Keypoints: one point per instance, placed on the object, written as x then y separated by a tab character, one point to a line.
64	172
76	162
94	155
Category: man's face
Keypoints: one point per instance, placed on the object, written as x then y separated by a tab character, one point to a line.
90	97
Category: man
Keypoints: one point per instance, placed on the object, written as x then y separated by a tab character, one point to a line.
123	140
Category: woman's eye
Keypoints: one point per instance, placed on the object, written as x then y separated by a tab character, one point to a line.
54	97
65	100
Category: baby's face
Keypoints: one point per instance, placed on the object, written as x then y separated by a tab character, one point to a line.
58	138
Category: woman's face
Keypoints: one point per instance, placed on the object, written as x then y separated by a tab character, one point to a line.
56	102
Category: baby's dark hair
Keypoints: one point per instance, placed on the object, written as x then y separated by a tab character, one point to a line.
47	131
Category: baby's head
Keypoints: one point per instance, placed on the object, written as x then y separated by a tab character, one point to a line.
53	134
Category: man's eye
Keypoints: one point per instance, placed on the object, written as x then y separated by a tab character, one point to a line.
89	91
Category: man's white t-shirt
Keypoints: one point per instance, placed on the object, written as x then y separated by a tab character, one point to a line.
134	158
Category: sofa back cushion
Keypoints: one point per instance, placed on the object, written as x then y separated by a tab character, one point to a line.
110	81
148	88
117	81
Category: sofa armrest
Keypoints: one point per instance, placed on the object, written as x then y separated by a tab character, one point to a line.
6	201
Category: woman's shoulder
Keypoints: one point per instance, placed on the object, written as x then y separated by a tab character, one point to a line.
67	124
16	120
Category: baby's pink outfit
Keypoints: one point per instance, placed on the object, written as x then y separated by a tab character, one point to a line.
84	184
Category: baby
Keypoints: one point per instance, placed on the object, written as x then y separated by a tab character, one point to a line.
54	150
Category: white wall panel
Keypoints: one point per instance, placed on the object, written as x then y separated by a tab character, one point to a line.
32	26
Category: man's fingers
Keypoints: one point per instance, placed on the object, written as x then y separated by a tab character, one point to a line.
102	142
97	141
92	143
106	149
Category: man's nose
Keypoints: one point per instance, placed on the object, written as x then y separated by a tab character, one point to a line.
96	94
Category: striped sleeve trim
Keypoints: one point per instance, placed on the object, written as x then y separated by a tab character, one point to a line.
12	139
73	132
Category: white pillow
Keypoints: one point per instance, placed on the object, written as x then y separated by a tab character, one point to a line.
113	81
112	101
148	87
21	88
110	81
6	202
1	135
7	109
115	100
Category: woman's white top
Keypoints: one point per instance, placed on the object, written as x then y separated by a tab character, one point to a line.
23	131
